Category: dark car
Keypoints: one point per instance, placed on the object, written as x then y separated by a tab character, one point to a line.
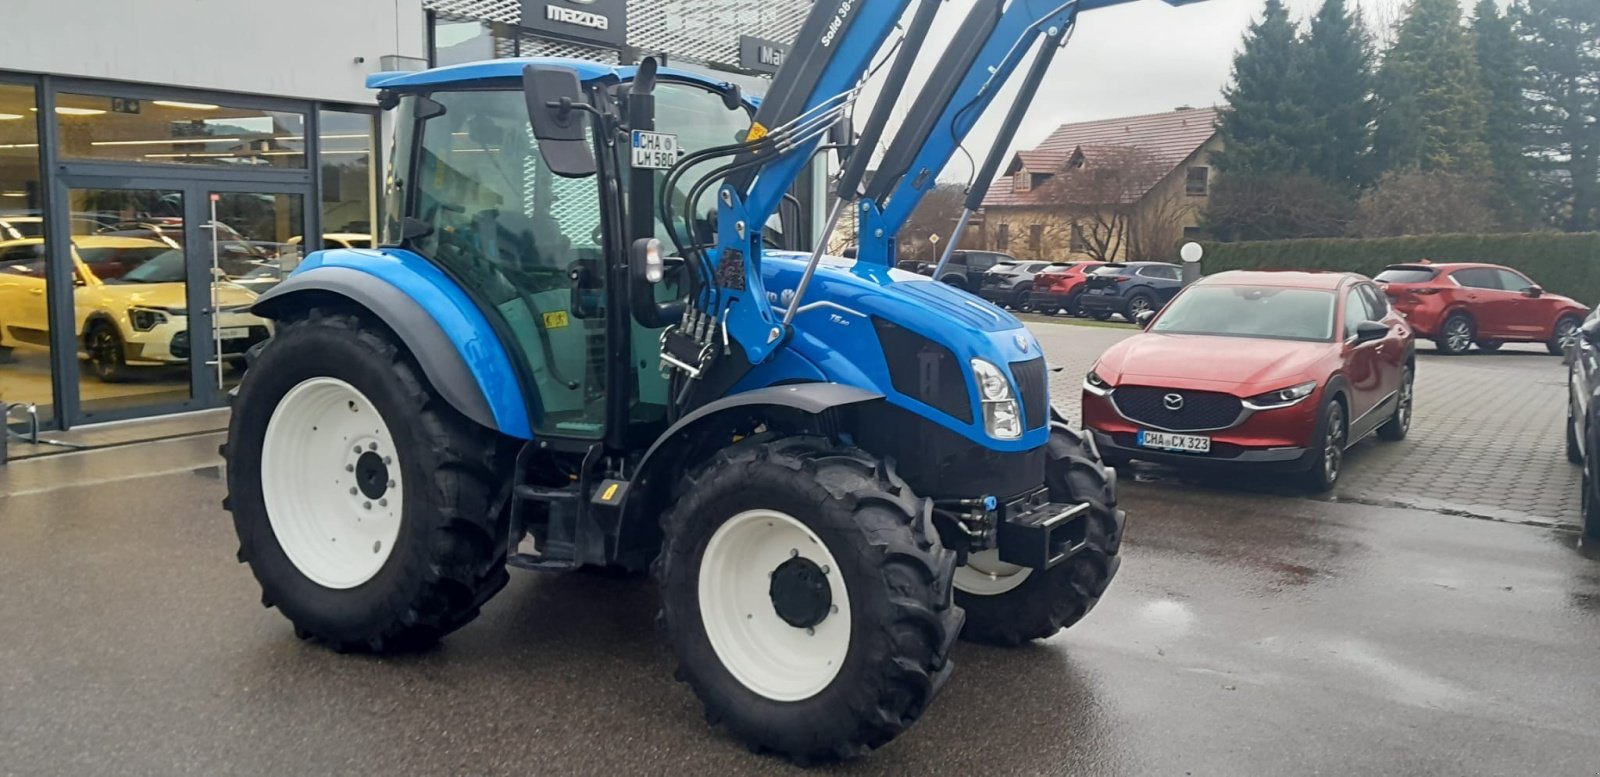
1010	284
1057	289
966	268
1130	289
1458	305
1583	425
1261	370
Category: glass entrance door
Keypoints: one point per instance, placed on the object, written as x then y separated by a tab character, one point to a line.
162	275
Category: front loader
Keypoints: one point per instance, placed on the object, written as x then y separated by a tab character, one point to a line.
601	335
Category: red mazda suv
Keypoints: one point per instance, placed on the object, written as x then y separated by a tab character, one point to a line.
1275	371
1457	305
1057	289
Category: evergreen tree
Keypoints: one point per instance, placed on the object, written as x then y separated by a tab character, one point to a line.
1505	115
1335	90
1263	126
1562	48
1430	95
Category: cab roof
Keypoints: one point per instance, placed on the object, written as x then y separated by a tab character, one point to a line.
511	68
1286	279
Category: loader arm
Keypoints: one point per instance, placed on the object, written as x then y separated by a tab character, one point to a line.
818	83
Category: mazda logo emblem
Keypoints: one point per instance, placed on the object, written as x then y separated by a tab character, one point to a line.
1173	402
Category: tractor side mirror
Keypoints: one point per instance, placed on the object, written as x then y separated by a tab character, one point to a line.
647	268
1534	292
555	110
587	288
842	136
1144	318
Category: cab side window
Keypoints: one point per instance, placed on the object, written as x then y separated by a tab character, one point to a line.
1477	278
1355	312
1511	280
1377	303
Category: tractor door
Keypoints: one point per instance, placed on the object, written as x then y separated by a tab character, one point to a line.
525	242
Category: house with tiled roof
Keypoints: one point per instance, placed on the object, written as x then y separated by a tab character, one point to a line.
1122	189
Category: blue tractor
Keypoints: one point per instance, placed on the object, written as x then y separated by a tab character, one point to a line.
600	334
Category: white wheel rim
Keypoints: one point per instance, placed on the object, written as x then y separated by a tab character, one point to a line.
985	574
334	509
761	650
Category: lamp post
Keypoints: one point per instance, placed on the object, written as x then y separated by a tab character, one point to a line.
1191	253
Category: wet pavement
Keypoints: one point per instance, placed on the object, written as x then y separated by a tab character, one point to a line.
1246	634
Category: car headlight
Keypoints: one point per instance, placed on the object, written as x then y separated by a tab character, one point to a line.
1096	385
1273	400
146	319
1001	418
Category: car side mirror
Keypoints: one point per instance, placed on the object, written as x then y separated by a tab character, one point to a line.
555	107
1367	331
1144	318
1591	331
1533	291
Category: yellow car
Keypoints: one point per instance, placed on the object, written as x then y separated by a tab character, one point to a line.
129	304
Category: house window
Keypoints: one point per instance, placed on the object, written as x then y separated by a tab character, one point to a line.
1022	181
1198	182
1191	233
1035	238
1079	245
1002	237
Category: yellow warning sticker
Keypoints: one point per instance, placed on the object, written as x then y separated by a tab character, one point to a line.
555	319
757	132
610	493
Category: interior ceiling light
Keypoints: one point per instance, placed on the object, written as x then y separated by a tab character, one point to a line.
191	106
9	116
65	111
161	142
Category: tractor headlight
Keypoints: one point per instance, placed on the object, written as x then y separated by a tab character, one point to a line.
1001	418
146	319
1272	400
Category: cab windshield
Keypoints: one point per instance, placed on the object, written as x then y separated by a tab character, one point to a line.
1250	311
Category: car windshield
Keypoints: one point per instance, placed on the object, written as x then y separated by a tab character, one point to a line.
165	267
21	228
1405	275
1250	311
126	258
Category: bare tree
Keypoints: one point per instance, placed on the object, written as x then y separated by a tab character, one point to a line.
1433	203
1104	195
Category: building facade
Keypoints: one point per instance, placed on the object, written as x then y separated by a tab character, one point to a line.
164	161
1125	189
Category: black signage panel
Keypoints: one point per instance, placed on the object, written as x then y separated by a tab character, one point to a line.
761	55
599	22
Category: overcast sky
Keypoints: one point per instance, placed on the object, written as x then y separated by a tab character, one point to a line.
1142	57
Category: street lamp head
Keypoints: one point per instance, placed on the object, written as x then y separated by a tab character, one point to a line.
1191	252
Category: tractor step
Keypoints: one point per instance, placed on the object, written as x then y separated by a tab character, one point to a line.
543	494
538	564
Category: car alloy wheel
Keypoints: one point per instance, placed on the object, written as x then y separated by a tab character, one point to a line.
1566	333
1406	393
1138	305
1458	334
1333	444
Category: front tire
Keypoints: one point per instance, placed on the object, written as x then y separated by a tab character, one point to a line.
1455	335
107	356
807	597
1332	433
1574	452
1009	605
337	437
1564	335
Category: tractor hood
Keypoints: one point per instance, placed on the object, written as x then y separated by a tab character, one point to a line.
856	318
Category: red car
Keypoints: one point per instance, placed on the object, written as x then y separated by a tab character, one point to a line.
1456	305
1272	370
1057	289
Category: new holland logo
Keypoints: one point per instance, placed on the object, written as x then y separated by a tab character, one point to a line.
1173	402
556	13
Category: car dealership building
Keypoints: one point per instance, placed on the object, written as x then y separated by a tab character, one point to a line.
162	161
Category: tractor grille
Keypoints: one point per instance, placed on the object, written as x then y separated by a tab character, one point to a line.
925	370
1198	411
1032	386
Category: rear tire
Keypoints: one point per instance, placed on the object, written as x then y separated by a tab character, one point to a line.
1574	453
1100	315
1395	429
1138	303
1564	334
1073	308
857	527
445	554
1455	335
1009	605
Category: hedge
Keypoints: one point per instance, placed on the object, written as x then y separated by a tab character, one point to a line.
1562	263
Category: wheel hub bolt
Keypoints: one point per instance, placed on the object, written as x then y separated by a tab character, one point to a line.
352	491
383	503
358	449
372	446
367	505
388	460
349	468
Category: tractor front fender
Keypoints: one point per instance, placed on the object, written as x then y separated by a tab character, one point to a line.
709	428
446	333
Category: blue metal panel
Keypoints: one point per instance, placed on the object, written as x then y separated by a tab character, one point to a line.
834	334
463	323
502	69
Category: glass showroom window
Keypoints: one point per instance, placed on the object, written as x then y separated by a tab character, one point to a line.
349	182
123	129
25	373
